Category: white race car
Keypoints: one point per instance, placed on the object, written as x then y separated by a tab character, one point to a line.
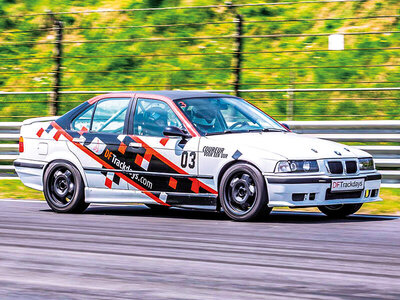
192	150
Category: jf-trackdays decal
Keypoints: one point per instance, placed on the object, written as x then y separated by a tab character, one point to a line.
144	168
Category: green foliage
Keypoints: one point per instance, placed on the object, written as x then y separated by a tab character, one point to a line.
289	61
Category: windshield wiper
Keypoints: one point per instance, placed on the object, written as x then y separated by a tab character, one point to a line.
224	132
273	130
255	130
213	133
249	130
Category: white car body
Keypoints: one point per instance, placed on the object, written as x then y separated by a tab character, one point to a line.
207	157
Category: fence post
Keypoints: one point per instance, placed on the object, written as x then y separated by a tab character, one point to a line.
55	96
237	71
290	101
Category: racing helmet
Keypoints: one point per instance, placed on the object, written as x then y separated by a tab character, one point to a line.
204	117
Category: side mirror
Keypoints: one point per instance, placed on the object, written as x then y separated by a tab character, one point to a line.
285	125
175	131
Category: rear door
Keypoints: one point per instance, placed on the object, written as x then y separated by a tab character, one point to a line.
101	127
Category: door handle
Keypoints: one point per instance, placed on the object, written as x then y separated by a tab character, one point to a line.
79	140
135	145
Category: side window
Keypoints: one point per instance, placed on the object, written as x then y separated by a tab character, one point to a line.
152	116
109	115
83	120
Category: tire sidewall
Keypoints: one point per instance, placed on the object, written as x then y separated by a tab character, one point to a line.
261	200
79	196
344	211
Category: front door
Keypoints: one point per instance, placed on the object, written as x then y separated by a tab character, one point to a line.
167	166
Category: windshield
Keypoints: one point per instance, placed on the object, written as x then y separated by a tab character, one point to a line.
226	115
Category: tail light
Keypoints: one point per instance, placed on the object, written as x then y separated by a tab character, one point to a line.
21	144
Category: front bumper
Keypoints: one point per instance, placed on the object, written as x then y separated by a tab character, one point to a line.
303	191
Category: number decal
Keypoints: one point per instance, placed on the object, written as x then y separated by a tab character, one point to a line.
185	157
192	160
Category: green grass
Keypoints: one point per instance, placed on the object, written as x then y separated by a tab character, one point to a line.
14	189
389	205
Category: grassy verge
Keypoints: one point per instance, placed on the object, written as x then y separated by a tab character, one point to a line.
389	205
14	189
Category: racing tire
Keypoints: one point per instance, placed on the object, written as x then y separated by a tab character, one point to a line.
340	211
63	188
243	193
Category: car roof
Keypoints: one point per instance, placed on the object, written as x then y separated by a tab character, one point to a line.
175	95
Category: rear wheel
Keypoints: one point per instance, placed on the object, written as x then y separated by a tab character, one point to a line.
243	193
63	188
339	211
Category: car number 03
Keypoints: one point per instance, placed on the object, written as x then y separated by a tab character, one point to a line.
186	157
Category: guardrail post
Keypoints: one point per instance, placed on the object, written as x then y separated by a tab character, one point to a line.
237	71
55	96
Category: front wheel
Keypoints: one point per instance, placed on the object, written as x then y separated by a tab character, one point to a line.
340	210
63	188
243	193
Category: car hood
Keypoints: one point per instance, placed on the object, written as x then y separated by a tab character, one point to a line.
288	145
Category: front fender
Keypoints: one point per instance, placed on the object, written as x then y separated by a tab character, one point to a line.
215	159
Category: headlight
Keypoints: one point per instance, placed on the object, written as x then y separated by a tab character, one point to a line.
366	163
297	166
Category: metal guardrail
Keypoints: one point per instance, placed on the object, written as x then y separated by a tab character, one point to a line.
376	133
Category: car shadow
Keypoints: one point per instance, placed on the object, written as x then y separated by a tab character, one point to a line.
275	217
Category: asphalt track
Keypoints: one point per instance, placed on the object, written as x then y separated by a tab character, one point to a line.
134	253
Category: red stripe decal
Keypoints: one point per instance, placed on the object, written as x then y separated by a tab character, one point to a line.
147	155
139	160
108	183
195	186
172	165
83	130
57	135
102	162
40	132
172	183
122	148
164	141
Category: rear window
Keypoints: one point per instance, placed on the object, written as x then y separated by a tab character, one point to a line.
109	116
83	120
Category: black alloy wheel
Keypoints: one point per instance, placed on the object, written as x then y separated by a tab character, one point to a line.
243	193
63	188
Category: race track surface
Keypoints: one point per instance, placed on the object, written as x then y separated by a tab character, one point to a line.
134	253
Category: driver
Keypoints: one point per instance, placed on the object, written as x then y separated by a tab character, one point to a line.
204	117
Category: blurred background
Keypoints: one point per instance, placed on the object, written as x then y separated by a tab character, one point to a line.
328	68
281	56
